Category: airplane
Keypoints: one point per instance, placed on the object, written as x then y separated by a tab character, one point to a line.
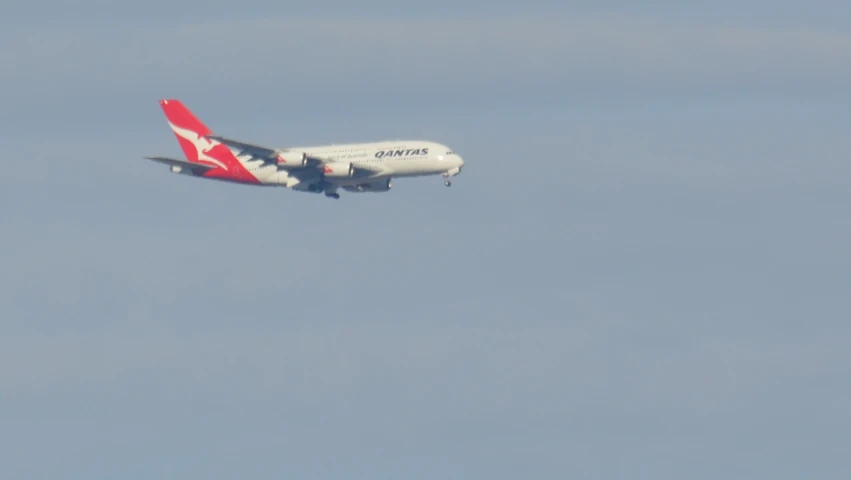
357	167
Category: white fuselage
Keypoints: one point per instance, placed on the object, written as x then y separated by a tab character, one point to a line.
358	167
382	159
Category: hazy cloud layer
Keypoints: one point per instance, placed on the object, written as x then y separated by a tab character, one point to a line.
641	273
521	51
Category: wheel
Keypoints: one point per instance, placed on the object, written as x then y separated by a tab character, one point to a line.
335	196
447	183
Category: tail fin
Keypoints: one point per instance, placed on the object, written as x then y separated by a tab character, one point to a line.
193	137
191	133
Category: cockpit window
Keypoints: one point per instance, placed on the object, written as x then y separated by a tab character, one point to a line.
450	153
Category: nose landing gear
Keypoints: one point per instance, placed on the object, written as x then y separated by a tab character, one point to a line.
449	174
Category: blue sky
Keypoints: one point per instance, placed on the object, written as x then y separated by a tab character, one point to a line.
643	271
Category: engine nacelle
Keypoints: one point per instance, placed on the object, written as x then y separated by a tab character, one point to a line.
339	170
292	159
378	186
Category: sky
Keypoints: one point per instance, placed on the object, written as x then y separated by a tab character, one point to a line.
642	272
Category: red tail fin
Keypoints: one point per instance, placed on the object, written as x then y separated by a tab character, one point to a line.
177	113
192	136
190	132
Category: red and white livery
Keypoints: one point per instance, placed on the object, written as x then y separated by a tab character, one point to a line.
358	167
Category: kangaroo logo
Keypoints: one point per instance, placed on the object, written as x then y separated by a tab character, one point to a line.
202	144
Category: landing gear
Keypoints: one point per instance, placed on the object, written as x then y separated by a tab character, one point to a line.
330	191
449	174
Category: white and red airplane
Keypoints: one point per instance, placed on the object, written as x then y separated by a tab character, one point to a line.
359	167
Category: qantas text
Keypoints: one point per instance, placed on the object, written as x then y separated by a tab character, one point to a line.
401	153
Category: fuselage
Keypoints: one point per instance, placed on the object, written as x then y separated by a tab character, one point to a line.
357	167
409	158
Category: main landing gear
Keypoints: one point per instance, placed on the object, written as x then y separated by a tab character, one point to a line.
330	191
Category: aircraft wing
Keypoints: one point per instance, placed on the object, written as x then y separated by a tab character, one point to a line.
173	162
249	148
261	152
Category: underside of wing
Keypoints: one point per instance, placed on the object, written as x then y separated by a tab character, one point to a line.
182	164
382	185
370	169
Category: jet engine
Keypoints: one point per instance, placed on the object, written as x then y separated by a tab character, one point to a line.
339	170
378	186
292	159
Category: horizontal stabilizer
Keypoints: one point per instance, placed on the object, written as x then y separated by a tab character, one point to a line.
181	163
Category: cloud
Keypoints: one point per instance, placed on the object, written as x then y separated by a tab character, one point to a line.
667	282
409	54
